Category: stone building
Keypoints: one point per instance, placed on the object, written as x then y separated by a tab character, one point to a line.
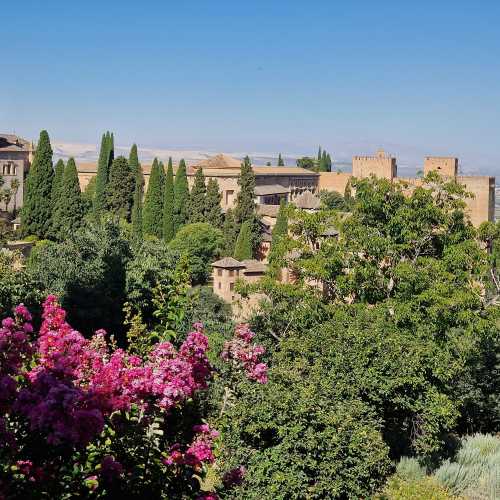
301	186
16	155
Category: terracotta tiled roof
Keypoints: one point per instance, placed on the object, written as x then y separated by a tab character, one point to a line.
228	262
307	200
220	161
269	210
11	142
254	266
270	189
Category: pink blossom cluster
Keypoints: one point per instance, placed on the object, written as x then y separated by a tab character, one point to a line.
199	452
78	382
243	354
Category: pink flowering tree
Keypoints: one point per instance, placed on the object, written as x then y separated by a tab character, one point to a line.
81	418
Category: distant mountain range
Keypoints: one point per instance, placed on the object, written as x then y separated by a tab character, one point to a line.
408	165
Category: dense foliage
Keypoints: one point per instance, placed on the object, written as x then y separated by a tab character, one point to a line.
36	214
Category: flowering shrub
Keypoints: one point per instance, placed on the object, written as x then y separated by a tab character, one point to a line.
79	418
243	354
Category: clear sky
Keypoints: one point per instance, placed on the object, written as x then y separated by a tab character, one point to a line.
418	77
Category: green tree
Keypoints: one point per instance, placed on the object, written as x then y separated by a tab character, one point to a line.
181	196
87	273
230	232
136	216
37	208
152	215
281	163
120	188
70	209
332	200
202	244
243	246
213	209
280	232
245	203
89	191
103	167
319	154
307	163
57	182
197	198
169	204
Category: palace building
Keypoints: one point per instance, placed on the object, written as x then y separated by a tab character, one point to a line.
16	155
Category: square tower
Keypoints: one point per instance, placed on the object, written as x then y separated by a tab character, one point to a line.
381	165
447	166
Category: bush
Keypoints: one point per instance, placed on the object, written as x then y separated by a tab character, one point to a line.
417	489
201	243
409	469
475	468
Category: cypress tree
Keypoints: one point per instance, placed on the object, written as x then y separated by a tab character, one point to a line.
319	154
213	209
281	227
323	163
230	232
280	231
245	201
103	166
328	162
181	196
162	177
152	213
197	198
243	247
57	183
37	208
281	163
111	149
70	208
136	216
120	189
168	204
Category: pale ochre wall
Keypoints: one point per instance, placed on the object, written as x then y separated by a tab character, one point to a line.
482	206
381	165
333	181
444	165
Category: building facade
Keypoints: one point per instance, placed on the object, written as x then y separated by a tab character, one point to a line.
297	184
16	155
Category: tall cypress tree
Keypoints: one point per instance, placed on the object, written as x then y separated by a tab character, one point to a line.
181	196
70	208
57	182
230	233
37	208
245	201
168	204
197	198
152	213
280	231
120	189
111	149
213	209
281	163
328	163
136	217
319	154
323	163
243	247
103	167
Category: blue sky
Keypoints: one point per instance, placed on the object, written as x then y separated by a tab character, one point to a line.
414	77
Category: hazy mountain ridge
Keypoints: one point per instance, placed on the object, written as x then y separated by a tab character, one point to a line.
408	163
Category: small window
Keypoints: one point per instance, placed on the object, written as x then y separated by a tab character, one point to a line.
220	285
219	272
231	273
231	286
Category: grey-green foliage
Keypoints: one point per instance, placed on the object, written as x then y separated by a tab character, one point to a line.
474	472
410	469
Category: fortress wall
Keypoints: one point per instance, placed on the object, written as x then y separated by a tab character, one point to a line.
443	165
381	166
482	206
333	181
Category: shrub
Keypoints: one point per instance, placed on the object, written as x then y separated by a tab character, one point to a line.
409	469
416	489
